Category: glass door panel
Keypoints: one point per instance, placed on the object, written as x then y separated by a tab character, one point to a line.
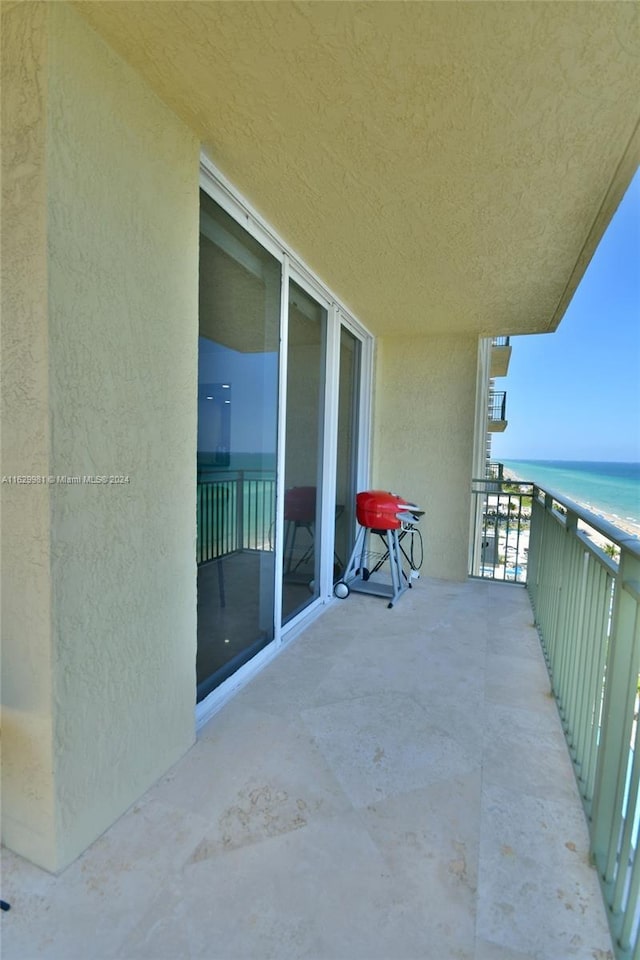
303	456
237	435
347	452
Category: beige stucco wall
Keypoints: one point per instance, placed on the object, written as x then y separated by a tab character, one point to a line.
27	735
111	631
425	395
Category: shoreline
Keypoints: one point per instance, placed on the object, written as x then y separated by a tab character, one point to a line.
622	523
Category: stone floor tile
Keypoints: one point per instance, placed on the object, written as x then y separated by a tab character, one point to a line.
523	724
522	750
384	744
89	909
507	664
519	682
429	837
253	777
493	951
322	892
537	891
393	786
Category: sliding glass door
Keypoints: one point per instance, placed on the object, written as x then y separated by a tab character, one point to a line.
347	448
237	445
304	450
281	428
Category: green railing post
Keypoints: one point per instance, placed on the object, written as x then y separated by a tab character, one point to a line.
577	684
239	545
617	720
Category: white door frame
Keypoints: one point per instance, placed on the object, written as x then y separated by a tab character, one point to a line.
213	182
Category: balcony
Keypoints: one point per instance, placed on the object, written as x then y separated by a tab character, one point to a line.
495	470
583	578
395	784
500	357
497	419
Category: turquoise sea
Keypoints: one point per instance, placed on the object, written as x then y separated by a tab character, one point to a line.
611	488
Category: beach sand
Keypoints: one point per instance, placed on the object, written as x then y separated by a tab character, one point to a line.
626	527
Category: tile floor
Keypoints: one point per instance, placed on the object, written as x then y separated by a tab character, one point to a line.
394	786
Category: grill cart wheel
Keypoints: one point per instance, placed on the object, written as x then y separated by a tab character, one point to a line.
341	590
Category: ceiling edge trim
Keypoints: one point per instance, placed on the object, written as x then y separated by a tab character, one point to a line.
623	174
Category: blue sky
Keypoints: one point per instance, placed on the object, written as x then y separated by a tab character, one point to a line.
575	394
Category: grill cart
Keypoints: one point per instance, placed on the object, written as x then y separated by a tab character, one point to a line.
388	518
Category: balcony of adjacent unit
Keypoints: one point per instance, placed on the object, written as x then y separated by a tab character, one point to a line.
497	418
396	783
500	357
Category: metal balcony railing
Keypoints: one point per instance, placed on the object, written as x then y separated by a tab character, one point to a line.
502	512
587	609
500	341
235	511
497	406
583	578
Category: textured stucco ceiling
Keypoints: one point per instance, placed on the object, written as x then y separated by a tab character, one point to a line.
442	166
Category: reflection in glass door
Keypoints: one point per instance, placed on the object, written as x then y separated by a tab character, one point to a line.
237	435
347	452
306	354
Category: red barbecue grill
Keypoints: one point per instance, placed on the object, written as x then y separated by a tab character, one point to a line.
390	518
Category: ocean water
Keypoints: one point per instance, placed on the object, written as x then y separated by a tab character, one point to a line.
611	488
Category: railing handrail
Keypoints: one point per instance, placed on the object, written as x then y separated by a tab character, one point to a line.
228	473
505	481
603	526
587	611
598	523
